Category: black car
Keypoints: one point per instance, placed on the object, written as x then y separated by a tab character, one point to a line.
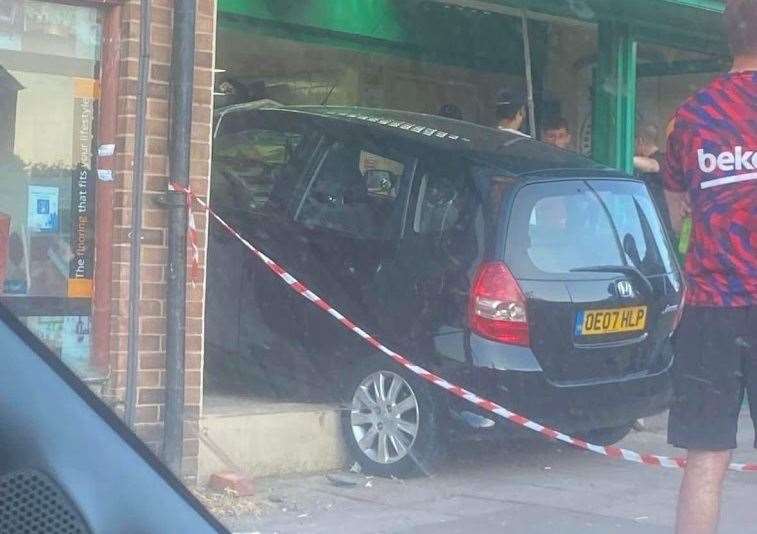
527	274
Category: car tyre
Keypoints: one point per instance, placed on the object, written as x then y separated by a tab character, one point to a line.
391	422
607	436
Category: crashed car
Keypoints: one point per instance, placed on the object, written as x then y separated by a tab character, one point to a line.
527	274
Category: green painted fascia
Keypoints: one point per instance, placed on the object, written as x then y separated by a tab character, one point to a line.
377	19
689	24
686	24
436	35
366	45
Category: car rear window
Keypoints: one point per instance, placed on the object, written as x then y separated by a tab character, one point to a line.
558	227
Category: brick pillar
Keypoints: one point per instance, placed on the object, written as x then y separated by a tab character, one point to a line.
152	305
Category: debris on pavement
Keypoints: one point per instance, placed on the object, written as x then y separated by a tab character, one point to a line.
241	484
348	479
227	503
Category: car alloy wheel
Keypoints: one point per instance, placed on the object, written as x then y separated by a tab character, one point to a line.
384	417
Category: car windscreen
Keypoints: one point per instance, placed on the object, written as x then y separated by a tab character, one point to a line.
557	228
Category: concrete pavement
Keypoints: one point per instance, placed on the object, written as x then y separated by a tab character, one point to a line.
528	486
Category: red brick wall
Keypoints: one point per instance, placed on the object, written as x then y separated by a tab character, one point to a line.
152	306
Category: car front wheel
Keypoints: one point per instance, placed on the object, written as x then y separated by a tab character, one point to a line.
391	424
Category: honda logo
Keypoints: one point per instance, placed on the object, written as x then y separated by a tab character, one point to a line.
624	289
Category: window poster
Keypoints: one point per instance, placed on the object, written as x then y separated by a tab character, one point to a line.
81	268
58	29
75	340
49	330
67	336
42	211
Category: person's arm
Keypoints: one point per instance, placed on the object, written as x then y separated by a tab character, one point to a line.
678	207
645	164
674	177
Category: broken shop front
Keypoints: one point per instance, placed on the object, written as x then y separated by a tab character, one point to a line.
604	71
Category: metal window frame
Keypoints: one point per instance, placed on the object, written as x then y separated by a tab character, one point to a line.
614	106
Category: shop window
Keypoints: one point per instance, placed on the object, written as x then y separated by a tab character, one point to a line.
564	85
48	97
257	66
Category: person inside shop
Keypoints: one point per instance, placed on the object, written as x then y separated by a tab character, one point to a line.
709	176
649	162
451	111
648	158
511	111
555	131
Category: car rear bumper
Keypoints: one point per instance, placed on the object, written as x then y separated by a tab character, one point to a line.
571	409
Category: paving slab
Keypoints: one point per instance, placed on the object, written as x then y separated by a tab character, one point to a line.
526	485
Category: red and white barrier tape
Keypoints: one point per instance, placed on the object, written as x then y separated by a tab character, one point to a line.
191	230
487	405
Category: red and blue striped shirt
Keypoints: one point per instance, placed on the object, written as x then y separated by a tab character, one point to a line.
712	155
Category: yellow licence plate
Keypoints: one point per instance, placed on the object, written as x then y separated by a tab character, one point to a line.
611	321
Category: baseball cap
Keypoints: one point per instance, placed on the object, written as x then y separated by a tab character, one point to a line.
509	97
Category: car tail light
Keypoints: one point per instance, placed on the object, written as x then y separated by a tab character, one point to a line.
497	306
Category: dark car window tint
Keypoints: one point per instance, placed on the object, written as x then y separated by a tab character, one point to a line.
442	198
248	163
447	222
556	228
353	191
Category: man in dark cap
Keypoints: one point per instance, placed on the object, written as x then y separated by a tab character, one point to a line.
510	111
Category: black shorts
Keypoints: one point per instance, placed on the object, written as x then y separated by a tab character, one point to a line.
715	365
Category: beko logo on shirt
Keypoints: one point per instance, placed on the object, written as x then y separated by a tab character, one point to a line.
738	160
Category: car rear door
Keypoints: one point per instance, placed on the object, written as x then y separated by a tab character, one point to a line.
601	284
347	222
425	289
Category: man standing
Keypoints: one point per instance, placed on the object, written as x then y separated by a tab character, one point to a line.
555	131
649	163
711	174
648	157
511	111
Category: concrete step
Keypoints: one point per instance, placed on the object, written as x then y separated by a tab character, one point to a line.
263	438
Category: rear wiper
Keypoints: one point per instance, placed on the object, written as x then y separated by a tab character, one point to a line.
628	270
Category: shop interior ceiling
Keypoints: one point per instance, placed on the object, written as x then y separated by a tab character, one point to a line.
483	31
683	23
425	31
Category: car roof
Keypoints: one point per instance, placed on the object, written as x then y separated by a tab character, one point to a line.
516	153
